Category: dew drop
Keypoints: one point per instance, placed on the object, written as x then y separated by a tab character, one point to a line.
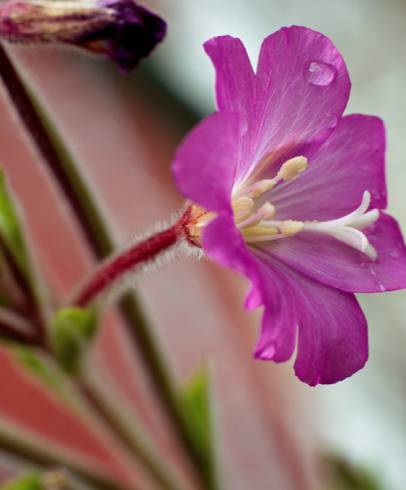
320	73
394	254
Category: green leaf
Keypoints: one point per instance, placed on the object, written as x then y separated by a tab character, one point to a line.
16	250
41	368
10	226
346	476
72	332
195	405
31	481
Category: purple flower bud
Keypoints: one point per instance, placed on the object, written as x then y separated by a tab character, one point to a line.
120	29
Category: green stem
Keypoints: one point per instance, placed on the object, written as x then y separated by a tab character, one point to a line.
25	446
65	170
136	445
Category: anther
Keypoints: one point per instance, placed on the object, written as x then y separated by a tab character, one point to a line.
242	208
291	227
259	231
267	210
262	186
291	168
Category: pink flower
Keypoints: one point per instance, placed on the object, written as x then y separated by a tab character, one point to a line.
290	193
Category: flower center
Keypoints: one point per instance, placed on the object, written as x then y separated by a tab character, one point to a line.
257	223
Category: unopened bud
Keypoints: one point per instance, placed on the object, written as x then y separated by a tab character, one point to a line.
119	29
72	332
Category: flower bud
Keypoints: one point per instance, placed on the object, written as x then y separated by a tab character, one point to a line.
120	29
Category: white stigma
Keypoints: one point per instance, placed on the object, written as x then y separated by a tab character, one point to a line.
347	229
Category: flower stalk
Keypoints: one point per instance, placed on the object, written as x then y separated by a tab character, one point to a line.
64	169
133	258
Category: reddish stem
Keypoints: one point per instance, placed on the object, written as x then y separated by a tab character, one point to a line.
139	254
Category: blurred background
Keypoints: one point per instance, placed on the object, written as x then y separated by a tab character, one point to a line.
271	430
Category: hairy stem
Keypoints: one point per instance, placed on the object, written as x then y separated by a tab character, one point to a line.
136	256
65	170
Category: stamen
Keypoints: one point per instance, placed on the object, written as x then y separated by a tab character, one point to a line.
291	168
262	186
257	189
291	227
264	238
259	226
242	208
267	210
259	230
288	171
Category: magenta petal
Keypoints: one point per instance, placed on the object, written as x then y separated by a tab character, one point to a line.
332	340
277	340
223	243
350	162
333	337
338	265
303	88
235	78
204	164
236	92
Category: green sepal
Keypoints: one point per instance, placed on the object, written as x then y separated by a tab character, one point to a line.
196	408
12	237
11	228
31	481
40	367
73	330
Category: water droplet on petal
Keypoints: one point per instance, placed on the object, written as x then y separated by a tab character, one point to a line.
320	73
394	254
